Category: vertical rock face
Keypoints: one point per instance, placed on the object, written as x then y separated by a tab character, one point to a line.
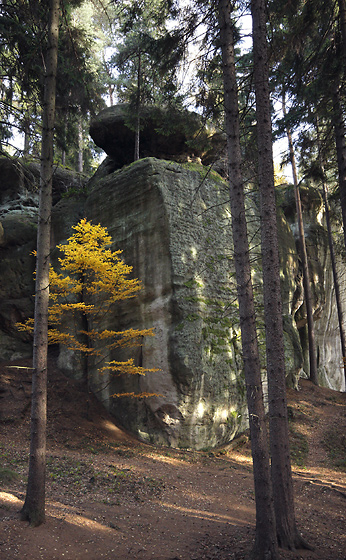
17	241
18	217
329	356
19	184
327	338
173	225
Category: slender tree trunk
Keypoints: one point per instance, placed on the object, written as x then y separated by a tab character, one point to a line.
342	20
26	130
63	148
265	546
303	257
34	506
9	91
110	94
85	340
80	163
138	109
332	259
288	535
338	118
340	142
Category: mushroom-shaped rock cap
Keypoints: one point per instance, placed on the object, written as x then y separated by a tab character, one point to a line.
164	134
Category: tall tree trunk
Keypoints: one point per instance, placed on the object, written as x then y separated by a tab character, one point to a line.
287	532
63	147
303	257
110	94
340	142
338	119
265	546
85	340
138	109
26	130
342	20
34	505
80	163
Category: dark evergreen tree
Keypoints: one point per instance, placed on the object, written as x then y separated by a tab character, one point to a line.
22	47
147	60
34	505
80	86
265	547
287	532
311	66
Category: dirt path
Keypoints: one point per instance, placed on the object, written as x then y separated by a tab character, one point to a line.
111	497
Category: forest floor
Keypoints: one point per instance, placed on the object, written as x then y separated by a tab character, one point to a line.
112	497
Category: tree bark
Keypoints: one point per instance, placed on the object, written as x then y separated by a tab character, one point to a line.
138	109
80	162
34	505
303	257
340	142
265	546
26	130
342	20
338	119
287	533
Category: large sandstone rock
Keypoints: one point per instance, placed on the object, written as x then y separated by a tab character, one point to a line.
17	263
20	181
18	188
18	231
173	225
166	134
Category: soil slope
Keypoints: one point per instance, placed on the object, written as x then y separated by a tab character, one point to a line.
112	497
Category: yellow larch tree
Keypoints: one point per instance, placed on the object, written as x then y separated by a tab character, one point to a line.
91	279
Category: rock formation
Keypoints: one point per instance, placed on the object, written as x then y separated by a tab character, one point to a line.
165	133
329	358
173	225
19	186
172	221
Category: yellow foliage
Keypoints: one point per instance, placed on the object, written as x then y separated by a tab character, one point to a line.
130	337
135	395
28	326
99	270
125	367
92	279
279	176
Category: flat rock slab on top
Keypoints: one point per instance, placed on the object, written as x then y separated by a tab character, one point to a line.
164	134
